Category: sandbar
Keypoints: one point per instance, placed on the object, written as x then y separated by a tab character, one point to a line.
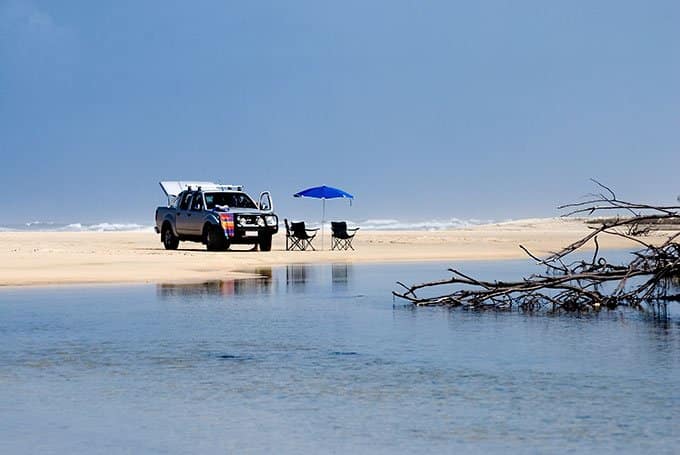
53	258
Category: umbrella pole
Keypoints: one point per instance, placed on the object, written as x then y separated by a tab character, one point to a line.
323	220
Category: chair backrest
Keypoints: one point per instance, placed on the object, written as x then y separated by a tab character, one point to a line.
298	229
338	227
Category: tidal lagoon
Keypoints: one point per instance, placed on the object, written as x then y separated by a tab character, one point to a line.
322	359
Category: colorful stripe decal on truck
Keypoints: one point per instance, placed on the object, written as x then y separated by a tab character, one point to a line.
227	222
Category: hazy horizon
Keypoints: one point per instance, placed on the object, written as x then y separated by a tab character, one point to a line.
501	110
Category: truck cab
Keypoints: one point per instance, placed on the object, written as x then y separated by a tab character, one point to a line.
216	215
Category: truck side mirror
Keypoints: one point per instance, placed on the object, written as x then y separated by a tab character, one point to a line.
266	202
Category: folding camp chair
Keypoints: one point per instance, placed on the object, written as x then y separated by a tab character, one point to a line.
298	236
342	239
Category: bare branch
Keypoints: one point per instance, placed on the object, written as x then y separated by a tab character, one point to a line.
580	285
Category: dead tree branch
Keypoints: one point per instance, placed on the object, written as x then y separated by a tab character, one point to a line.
650	277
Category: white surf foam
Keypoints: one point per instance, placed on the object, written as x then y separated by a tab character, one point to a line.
51	226
422	225
374	224
106	227
390	224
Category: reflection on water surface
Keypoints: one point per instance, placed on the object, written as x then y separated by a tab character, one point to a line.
233	286
318	359
297	276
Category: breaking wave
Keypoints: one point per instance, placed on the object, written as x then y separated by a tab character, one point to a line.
377	224
107	227
389	224
50	226
426	225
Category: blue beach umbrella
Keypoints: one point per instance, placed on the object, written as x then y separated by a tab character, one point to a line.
324	192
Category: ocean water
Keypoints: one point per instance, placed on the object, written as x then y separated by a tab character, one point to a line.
320	359
435	224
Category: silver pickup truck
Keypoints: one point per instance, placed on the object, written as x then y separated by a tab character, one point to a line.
215	214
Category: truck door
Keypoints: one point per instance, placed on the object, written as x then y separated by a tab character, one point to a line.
183	219
195	224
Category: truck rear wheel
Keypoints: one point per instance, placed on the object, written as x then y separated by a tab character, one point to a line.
170	241
265	242
214	239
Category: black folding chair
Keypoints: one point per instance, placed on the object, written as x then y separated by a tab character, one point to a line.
342	238
298	237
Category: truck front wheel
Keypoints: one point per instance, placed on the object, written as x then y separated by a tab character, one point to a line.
265	242
214	239
170	241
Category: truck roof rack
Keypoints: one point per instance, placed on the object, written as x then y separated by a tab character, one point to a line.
173	188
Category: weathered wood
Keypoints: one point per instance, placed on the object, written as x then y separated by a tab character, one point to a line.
651	277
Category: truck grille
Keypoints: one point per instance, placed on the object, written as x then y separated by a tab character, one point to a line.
248	220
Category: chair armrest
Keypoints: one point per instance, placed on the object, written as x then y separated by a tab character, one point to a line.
353	229
312	229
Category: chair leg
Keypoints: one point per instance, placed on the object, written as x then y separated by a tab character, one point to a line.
295	243
342	244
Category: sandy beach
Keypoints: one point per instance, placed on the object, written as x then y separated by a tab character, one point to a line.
49	258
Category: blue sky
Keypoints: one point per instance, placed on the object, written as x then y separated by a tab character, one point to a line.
491	109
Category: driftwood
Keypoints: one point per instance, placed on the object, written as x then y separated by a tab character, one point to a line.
651	277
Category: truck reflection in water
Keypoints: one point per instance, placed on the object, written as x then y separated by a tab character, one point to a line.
235	286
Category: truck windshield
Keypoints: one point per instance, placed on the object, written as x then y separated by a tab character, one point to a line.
219	200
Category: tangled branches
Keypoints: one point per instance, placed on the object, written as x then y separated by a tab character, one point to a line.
580	285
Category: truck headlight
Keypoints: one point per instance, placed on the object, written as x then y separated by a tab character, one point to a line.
270	220
239	221
260	222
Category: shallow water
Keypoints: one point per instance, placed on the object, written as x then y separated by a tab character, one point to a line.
321	359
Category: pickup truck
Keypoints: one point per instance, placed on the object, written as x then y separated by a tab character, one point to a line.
216	215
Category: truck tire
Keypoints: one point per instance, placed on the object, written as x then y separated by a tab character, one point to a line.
265	242
214	238
170	241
